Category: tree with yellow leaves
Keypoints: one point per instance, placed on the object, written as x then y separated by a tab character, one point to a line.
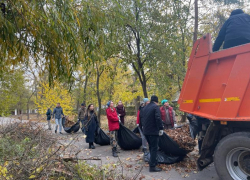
48	97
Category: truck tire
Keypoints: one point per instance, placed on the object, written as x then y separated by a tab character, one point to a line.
232	157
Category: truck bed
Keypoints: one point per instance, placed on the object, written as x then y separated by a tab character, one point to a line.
216	84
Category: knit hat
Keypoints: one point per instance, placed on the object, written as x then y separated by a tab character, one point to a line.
108	104
154	98
237	11
164	101
83	104
145	100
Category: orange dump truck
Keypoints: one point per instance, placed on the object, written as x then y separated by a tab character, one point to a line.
217	87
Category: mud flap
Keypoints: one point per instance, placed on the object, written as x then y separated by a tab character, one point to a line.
208	146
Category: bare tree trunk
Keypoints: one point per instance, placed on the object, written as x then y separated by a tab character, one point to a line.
77	105
139	64
85	86
195	21
111	92
137	104
98	95
28	112
144	88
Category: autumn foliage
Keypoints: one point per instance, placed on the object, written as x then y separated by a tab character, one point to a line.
48	97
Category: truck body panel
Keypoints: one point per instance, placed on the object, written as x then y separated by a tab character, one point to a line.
216	84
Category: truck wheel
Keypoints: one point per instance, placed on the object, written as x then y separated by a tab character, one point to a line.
232	157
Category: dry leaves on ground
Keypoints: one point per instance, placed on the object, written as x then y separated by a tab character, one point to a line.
188	165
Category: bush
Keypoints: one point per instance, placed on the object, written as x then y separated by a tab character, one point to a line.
94	172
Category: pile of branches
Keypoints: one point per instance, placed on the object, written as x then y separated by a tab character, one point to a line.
28	151
182	137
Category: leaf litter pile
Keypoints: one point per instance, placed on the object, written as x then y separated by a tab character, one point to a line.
68	122
188	165
182	137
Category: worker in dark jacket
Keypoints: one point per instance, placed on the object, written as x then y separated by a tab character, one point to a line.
57	114
235	31
49	114
82	114
90	125
152	129
120	109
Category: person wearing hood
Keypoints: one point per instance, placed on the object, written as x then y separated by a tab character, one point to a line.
143	104
82	114
167	115
235	31
139	123
57	115
49	114
90	125
113	123
120	109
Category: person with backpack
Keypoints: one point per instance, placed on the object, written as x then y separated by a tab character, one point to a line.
167	115
120	109
57	115
90	125
49	114
113	123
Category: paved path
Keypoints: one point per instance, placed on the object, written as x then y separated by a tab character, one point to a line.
132	160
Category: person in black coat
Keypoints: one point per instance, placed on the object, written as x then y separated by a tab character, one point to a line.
152	129
90	125
235	31
49	114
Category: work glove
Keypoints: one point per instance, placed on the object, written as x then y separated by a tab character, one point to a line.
119	119
175	125
137	125
160	132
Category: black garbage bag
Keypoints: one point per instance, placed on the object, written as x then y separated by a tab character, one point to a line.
163	158
136	130
73	129
128	140
63	121
102	138
169	146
